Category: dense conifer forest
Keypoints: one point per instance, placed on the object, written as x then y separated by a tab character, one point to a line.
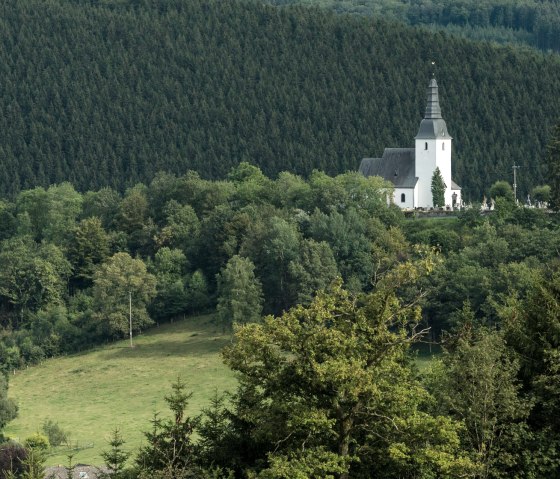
522	22
109	93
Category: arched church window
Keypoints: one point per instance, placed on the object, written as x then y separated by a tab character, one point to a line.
426	145
443	146
403	197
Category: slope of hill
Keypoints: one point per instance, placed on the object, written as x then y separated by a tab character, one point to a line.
92	393
109	93
534	23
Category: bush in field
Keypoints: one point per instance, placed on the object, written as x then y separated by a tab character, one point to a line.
37	442
55	434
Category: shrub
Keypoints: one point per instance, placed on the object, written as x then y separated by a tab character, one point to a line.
55	434
12	458
37	442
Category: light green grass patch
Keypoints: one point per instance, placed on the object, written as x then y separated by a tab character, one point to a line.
90	394
423	355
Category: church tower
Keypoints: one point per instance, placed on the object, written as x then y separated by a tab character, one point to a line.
432	150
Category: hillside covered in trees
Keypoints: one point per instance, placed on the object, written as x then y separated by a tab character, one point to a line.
524	22
109	93
327	382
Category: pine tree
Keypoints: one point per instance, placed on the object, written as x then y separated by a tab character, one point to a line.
438	188
170	448
115	458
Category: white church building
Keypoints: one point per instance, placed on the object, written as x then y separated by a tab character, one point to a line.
411	169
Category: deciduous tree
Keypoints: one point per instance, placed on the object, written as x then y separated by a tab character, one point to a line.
116	279
239	293
326	389
89	246
476	382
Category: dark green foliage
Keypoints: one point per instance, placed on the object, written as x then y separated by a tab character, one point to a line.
239	293
12	459
471	217
314	270
438	189
8	408
216	432
197	295
347	235
526	22
88	247
501	189
532	322
541	194
106	94
169	268
115	458
485	259
170	447
32	275
477	383
275	247
553	164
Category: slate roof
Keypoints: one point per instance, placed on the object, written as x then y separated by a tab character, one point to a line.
81	471
433	125
396	166
432	128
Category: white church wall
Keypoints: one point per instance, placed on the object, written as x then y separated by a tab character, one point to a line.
425	166
430	154
443	161
406	194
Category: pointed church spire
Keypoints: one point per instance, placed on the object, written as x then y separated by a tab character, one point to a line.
433	125
433	111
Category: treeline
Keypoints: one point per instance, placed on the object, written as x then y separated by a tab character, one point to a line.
327	384
71	262
105	94
329	388
523	22
249	245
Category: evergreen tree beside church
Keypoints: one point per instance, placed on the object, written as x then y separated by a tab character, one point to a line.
438	189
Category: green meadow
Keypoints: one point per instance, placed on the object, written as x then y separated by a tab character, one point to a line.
90	394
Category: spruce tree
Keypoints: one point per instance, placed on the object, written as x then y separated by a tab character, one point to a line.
169	448
438	188
115	458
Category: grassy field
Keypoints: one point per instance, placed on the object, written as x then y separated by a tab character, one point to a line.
90	394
